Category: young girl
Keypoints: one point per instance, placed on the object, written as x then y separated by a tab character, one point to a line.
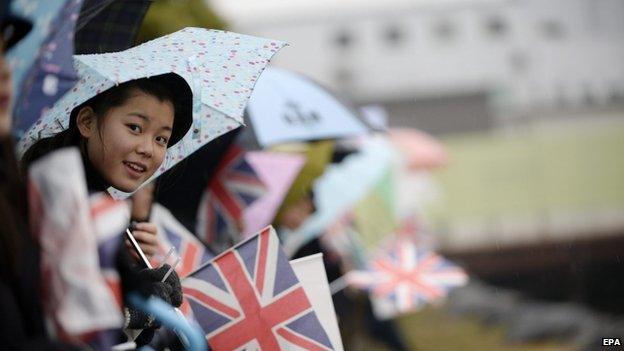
123	134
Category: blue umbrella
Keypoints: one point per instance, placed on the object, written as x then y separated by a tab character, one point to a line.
287	107
340	188
52	73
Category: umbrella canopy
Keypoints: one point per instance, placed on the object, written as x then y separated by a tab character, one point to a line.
421	150
288	107
42	14
109	25
278	171
317	155
374	213
52	73
220	68
23	56
343	185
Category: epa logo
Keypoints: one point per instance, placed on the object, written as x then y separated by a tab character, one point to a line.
611	342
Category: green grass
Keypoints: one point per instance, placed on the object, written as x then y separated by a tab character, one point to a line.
575	169
435	330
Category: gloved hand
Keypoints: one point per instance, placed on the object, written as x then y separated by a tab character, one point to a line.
173	281
137	319
146	282
133	278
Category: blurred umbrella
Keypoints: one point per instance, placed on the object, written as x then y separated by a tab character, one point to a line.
343	185
168	16
52	73
287	107
277	171
422	151
109	25
374	213
317	155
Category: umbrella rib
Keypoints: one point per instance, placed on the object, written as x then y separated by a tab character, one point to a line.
88	14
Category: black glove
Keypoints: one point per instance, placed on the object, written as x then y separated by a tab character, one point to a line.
173	281
142	281
145	337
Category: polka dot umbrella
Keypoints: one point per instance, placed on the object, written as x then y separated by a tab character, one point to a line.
220	68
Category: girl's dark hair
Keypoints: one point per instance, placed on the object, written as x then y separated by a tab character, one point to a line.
13	210
166	87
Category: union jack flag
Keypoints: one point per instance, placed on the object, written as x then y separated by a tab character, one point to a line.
234	186
407	277
249	298
191	251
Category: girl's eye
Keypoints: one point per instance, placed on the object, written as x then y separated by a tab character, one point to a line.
134	128
162	140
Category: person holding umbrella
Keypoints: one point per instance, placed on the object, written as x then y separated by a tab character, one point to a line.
129	115
123	134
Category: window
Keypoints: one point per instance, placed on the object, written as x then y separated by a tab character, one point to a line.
519	61
444	30
393	35
496	27
552	30
343	39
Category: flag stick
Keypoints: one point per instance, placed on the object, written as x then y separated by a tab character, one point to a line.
137	248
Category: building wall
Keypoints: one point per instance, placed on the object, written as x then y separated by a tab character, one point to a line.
523	55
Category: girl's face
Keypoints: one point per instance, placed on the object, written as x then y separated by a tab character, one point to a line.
129	143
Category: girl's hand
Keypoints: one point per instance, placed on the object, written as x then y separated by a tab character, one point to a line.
145	235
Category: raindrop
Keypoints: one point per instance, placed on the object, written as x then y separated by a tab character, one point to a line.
50	85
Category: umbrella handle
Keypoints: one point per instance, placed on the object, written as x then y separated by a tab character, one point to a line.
164	313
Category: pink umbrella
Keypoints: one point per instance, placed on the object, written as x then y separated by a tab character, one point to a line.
277	171
421	150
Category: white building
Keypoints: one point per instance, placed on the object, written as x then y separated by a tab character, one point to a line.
496	60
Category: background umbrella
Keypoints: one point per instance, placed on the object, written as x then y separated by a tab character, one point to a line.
343	185
287	107
52	73
277	171
421	150
109	25
25	54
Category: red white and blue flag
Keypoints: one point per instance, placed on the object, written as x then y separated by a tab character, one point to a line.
234	187
111	218
405	277
171	233
249	298
78	301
